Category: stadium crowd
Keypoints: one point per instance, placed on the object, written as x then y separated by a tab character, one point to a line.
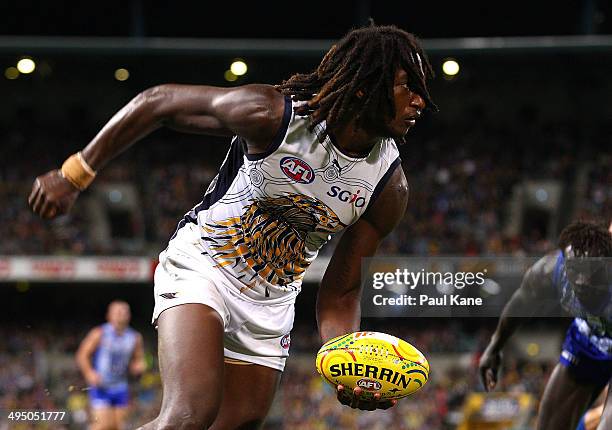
309	403
460	184
38	372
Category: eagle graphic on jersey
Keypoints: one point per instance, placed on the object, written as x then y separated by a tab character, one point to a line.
272	236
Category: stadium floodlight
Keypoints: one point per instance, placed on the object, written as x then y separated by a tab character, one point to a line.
11	73
26	65
450	67
122	74
238	67
230	76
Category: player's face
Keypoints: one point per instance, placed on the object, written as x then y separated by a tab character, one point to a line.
119	314
408	106
590	280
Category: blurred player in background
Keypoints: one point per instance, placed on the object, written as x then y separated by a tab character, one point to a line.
310	158
578	275
105	357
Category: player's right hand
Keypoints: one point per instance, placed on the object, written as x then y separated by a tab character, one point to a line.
93	378
355	401
489	368
52	195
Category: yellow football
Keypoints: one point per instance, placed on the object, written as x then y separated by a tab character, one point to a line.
376	362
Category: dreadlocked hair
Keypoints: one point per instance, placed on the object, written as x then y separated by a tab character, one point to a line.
587	237
355	79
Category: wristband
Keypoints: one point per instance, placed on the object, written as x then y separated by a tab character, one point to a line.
77	171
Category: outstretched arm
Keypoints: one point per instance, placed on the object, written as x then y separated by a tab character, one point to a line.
253	111
338	300
535	290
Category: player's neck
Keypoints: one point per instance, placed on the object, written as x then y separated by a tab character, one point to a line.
352	141
119	329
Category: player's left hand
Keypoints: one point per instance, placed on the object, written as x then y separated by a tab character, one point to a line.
355	401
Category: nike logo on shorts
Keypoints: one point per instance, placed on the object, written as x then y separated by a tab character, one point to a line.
168	295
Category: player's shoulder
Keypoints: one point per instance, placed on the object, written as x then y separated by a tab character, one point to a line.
261	93
398	181
388	204
104	328
96	332
134	332
547	263
394	185
542	270
260	109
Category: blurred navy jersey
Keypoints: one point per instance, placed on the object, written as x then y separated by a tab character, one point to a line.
587	350
585	354
112	357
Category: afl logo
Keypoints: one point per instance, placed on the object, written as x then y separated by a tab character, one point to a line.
369	384
297	170
285	341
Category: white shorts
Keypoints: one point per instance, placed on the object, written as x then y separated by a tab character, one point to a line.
255	332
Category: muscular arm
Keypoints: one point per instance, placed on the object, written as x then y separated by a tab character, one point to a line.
338	300
536	288
253	112
535	292
83	355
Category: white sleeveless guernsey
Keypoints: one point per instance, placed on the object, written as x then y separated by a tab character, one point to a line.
265	216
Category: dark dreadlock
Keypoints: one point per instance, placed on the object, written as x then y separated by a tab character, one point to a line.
587	236
355	78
